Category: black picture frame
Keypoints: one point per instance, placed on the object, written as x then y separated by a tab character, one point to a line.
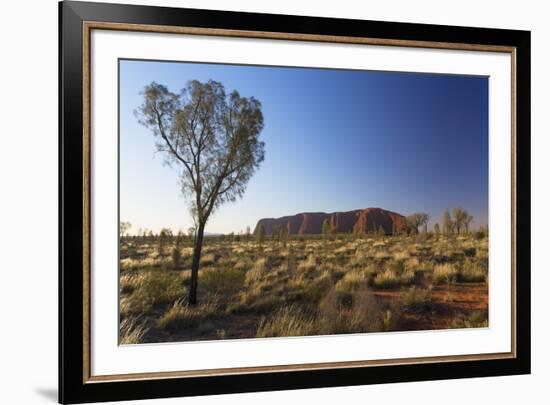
73	387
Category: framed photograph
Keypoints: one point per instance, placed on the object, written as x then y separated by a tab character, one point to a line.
254	202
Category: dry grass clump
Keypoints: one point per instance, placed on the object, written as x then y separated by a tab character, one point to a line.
476	319
128	282
417	299
317	288
381	255
180	315
393	276
386	279
361	258
287	321
412	263
221	281
314	285
243	263
155	287
401	255
255	274
208	259
355	312
407	277
351	281
308	265
131	330
129	263
472	272
445	273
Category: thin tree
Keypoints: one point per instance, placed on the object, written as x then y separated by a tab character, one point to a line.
326	229
436	229
261	236
212	139
283	236
416	220
447	222
460	216
165	236
124	228
467	220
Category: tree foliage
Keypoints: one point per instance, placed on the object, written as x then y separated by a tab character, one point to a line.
416	220
462	219
124	228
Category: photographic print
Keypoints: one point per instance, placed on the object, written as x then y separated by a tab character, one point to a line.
271	201
253	202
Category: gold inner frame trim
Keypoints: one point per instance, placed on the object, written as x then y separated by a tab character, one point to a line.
88	26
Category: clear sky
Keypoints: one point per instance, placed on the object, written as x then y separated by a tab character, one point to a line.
335	140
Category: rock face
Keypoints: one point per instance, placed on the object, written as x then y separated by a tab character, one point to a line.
361	221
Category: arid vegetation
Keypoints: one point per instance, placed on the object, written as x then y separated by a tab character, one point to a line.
311	273
287	285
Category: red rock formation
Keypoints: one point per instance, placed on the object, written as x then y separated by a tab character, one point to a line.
367	220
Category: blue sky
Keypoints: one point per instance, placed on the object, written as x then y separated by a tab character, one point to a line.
335	140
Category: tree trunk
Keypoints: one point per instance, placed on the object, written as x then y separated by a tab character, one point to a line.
195	265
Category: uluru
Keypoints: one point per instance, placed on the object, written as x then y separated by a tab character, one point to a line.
362	221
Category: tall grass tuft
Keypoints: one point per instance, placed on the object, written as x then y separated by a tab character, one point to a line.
180	315
287	321
132	330
473	273
445	273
